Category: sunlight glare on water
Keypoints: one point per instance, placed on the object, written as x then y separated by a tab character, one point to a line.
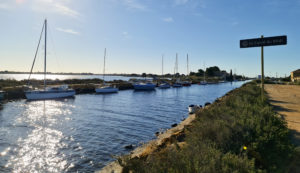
39	150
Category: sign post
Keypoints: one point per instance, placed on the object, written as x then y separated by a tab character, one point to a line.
261	42
262	71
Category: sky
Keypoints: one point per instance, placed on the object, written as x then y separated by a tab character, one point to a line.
136	33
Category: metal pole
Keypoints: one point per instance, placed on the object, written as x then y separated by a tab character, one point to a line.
45	70
262	71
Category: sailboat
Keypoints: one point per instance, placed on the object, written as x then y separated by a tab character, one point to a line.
187	83
163	85
47	92
106	88
177	84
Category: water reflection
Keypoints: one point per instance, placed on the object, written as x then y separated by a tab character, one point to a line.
39	151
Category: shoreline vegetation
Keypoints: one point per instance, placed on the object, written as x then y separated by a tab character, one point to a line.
239	132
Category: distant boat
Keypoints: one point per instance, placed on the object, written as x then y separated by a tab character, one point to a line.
187	83
202	83
105	88
177	83
47	92
144	86
1	95
163	85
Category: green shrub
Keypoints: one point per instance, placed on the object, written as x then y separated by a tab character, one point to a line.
215	141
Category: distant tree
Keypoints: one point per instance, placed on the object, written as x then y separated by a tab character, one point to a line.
213	71
192	73
144	75
168	75
200	72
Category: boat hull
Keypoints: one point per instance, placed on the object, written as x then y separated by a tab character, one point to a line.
44	95
106	90
164	86
144	87
177	85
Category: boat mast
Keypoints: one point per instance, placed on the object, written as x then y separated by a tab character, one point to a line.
162	66
45	54
187	64
177	65
104	66
204	71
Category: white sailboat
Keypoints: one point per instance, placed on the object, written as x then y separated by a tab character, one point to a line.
47	92
163	85
105	88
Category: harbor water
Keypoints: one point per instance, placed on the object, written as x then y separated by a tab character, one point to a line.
84	133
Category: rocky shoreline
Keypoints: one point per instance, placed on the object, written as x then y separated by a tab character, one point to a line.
163	139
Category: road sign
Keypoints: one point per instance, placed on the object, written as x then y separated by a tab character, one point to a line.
261	42
266	41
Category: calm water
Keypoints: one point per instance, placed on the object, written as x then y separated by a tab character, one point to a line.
63	77
81	134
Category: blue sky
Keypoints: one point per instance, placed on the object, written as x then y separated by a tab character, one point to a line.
137	32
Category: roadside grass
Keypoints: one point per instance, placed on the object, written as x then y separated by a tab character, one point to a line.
240	133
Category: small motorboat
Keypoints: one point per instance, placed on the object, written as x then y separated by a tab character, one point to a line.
144	86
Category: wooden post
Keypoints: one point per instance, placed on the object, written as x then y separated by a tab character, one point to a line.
262	71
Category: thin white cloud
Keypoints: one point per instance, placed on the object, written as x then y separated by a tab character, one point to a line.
69	31
168	19
134	4
55	6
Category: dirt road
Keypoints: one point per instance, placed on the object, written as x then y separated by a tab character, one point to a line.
286	100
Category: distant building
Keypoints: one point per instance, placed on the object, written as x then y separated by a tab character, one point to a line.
295	75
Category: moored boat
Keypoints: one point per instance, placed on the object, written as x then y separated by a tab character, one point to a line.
47	92
164	86
105	88
177	85
50	93
186	83
144	86
202	83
